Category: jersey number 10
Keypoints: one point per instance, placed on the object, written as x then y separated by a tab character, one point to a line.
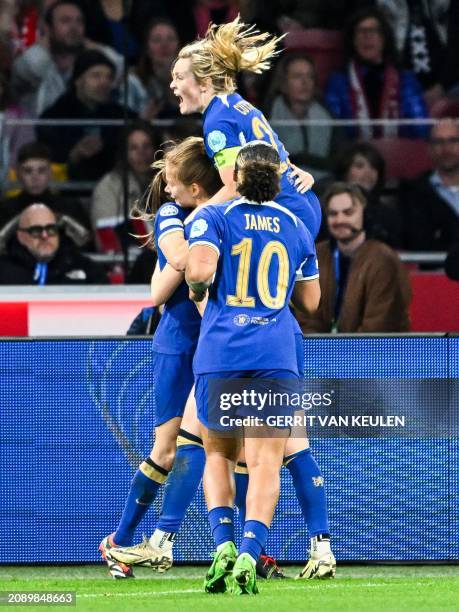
244	250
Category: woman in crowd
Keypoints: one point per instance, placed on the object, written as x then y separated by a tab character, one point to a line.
149	93
309	146
107	205
363	164
371	84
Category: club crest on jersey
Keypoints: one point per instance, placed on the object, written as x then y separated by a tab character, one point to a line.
216	141
198	228
168	210
241	320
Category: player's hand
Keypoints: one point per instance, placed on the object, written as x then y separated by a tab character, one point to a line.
304	180
197	296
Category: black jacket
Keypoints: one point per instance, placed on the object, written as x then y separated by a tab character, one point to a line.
68	267
429	223
61	139
452	262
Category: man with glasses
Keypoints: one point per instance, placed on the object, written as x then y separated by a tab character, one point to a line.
37	255
430	203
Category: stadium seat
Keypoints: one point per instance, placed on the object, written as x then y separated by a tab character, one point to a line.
405	157
324	46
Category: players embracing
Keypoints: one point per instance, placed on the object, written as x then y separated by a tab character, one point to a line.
204	80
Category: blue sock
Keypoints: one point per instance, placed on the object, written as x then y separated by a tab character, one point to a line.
241	478
309	486
144	487
221	521
254	543
181	486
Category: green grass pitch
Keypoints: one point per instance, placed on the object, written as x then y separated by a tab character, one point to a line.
381	588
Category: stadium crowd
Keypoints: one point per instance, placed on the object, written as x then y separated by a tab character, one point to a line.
86	105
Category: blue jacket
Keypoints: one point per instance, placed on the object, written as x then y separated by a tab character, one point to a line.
338	100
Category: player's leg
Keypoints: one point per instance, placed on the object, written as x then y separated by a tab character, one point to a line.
173	381
264	459
308	482
266	566
221	456
309	487
241	480
182	483
117	549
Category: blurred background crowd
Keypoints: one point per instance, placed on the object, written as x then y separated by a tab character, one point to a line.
364	92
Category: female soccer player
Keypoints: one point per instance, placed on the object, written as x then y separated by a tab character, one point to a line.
190	181
204	80
257	251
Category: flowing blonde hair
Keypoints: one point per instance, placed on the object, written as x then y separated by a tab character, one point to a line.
192	164
226	50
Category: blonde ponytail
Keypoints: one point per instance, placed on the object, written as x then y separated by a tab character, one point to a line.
227	49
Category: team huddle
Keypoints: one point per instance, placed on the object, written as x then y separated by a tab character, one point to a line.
235	244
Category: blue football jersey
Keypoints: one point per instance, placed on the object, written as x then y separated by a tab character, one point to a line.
230	122
178	329
263	249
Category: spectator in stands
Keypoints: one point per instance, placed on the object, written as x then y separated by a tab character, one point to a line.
34	175
150	94
361	163
37	255
109	24
41	74
89	151
310	145
107	206
12	137
372	86
420	30
430	203
364	286
8	33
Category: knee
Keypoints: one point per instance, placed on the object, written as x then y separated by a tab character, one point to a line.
164	455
